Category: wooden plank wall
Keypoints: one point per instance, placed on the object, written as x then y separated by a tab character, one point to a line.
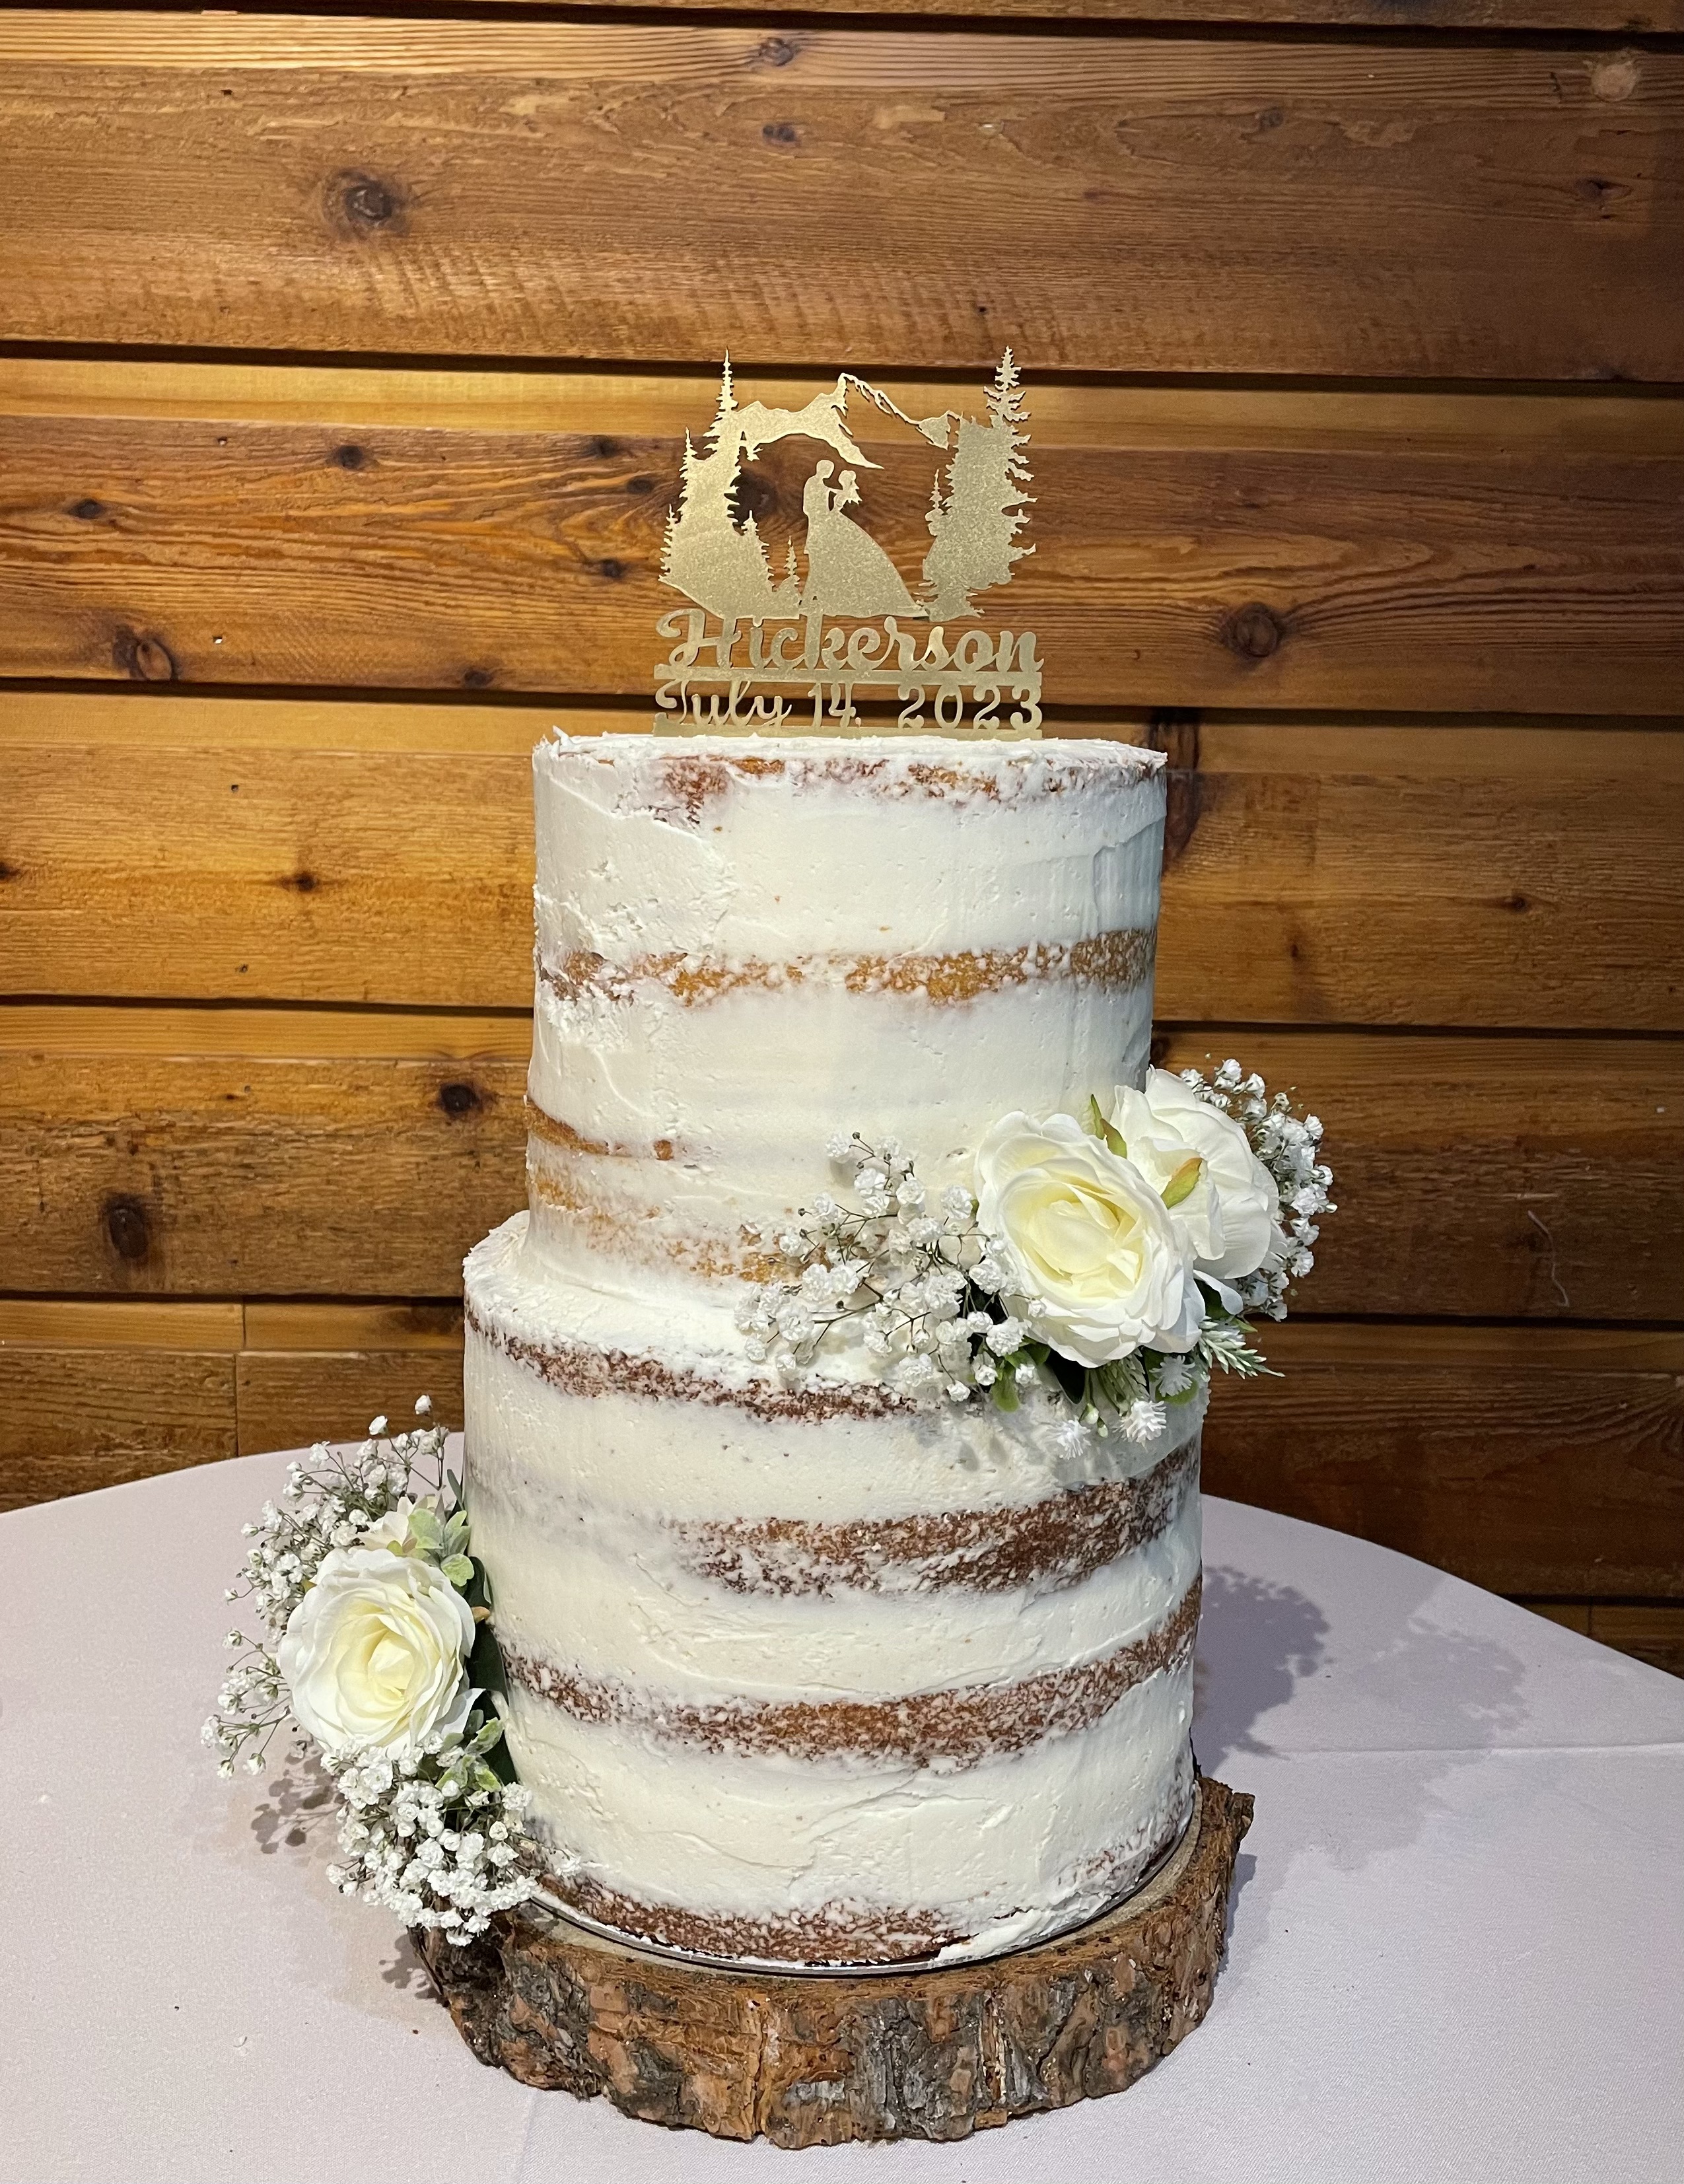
344	366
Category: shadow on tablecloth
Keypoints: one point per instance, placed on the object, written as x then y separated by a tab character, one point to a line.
1275	1683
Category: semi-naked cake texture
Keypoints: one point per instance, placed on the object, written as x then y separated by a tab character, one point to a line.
799	1672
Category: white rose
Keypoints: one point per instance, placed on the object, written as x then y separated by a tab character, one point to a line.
392	1530
1231	1217
1086	1235
373	1654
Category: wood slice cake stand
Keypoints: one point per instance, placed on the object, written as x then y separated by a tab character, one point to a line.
807	2061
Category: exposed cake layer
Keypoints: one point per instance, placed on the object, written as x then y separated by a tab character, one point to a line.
814	1663
856	1861
744	945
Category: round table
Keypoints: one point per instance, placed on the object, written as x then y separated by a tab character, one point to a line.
1456	1931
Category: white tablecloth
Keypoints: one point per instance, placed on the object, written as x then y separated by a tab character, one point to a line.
1455	1952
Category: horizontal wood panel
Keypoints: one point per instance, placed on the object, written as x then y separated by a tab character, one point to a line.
1474	16
1652	1631
1524	555
1523	1459
288	1398
322	1324
1319	872
102	1323
1647	1631
1476	1174
1465	1447
1565	1614
665	402
255	1174
1102	202
72	1419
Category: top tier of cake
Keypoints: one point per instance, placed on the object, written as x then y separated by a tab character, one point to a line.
744	947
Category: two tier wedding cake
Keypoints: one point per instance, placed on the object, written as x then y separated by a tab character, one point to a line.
817	1652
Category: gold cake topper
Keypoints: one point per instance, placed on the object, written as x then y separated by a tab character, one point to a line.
789	653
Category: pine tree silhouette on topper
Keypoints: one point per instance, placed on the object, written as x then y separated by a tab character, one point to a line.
972	524
727	403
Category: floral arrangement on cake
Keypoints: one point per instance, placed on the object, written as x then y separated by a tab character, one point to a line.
1111	1260
378	1648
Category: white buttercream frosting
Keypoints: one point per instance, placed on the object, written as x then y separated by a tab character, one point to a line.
808	1674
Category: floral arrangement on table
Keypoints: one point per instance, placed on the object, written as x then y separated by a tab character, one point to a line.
377	1646
1111	1260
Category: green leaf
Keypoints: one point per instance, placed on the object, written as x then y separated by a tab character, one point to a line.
425	1529
458	1569
1184	1181
485	1662
1005	1389
456	1531
1100	1126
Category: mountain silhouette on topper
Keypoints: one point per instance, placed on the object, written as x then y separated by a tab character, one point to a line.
978	506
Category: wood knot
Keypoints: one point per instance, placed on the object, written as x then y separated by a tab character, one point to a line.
366	204
1270	117
613	570
8	873
1516	902
457	1098
144	657
128	1227
350	457
781	132
775	53
1616	80
1593	190
1253	632
305	883
478	678
89	511
753	494
599	445
640	484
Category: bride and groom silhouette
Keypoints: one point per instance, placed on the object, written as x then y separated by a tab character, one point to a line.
848	572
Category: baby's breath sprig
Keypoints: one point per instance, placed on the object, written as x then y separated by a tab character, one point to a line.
911	1278
1289	1148
437	1838
343	1493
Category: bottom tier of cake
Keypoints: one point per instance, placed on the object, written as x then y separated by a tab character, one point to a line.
807	1677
